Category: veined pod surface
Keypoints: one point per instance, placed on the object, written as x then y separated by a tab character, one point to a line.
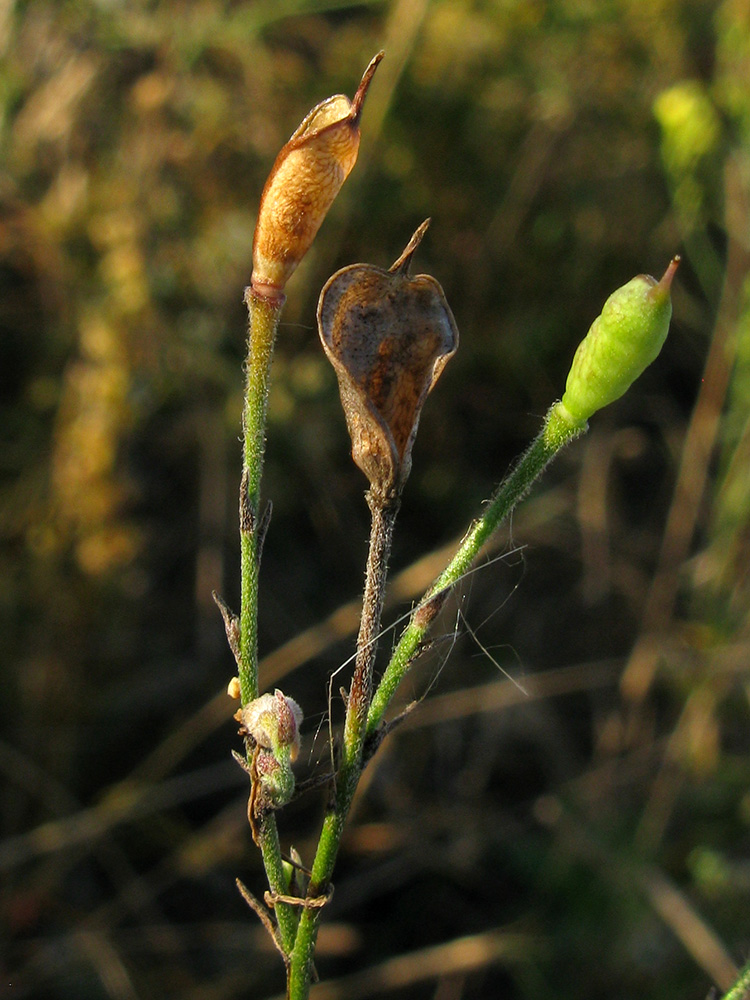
305	179
620	344
388	335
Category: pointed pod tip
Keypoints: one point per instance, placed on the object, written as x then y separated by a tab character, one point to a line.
404	261
670	272
359	98
660	290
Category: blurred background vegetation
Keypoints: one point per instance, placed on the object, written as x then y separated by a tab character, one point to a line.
584	837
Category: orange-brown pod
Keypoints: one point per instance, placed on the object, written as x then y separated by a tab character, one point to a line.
306	177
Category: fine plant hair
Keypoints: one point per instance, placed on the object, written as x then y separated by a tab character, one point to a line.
388	334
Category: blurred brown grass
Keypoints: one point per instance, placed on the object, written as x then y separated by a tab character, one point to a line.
567	810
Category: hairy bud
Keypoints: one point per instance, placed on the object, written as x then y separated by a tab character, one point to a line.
275	783
273	722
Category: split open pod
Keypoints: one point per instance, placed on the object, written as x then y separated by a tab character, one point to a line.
305	179
388	335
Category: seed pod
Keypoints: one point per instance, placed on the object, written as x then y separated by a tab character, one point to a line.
388	336
621	343
306	177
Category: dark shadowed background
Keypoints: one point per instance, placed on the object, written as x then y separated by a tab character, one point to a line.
567	813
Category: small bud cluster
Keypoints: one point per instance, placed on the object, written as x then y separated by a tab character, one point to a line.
271	723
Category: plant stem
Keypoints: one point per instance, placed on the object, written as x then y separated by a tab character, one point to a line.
263	315
355	726
364	713
558	430
741	989
286	917
360	693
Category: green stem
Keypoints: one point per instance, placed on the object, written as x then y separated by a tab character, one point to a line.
264	315
355	726
558	430
286	916
741	989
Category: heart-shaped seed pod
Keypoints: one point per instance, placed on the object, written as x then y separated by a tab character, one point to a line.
306	177
388	335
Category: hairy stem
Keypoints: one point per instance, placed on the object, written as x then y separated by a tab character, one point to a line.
360	693
355	728
264	317
286	918
555	434
263	314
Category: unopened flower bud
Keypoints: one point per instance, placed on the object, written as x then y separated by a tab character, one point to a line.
273	721
621	343
276	780
388	335
306	177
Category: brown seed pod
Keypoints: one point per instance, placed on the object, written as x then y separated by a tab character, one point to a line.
306	177
388	335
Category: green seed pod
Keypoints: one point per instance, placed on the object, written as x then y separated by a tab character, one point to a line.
621	343
305	179
388	335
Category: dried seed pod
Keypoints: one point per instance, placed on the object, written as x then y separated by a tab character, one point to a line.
306	177
388	335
